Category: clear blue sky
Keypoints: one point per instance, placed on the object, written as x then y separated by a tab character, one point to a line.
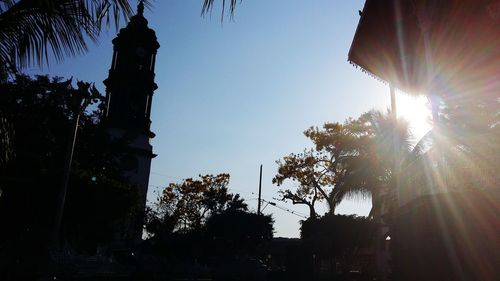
237	95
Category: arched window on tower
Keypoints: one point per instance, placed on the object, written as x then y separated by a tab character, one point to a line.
152	62
142	58
115	59
147	106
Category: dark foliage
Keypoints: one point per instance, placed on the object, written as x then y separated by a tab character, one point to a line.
337	237
200	220
238	233
226	236
185	206
40	112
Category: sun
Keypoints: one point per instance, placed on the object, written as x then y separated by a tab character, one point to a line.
415	110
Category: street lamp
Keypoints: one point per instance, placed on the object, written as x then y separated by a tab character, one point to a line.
79	100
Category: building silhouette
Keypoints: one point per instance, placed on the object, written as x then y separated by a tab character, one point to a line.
129	93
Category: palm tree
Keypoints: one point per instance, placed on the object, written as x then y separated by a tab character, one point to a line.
372	172
352	159
460	151
30	29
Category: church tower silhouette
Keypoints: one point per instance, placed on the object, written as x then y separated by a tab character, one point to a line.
129	93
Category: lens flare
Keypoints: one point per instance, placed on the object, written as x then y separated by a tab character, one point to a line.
416	111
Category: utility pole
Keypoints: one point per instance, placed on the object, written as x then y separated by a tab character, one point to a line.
260	191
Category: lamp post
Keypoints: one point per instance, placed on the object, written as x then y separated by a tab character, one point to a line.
79	100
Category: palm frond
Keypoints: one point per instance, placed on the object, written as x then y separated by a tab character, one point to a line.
423	145
31	29
346	191
109	11
209	4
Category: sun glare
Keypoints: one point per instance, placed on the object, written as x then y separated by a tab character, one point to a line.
416	111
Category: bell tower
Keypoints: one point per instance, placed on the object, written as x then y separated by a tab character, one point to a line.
129	93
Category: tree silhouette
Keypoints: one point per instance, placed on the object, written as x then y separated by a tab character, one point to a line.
238	233
199	220
306	170
40	111
372	171
319	170
187	205
351	159
337	237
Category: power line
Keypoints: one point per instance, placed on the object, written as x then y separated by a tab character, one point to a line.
299	214
237	191
166	176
